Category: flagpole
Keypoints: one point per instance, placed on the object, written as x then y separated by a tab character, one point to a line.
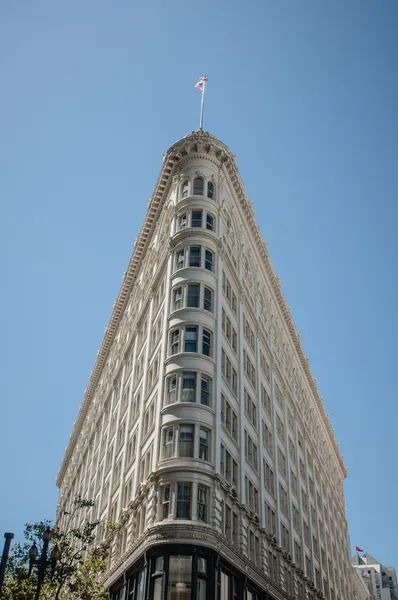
202	105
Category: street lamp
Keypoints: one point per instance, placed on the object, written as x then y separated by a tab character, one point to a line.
4	558
42	563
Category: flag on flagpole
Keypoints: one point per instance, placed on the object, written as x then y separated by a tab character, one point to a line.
358	549
200	85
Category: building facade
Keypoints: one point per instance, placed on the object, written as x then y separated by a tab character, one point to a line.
380	580
202	430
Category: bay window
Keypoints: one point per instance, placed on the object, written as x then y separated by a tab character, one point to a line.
185	339
193	295
185	440
183	387
195	218
195	256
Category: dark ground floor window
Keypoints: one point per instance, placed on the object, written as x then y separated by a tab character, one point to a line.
184	572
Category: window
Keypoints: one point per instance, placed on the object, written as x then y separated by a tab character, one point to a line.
210	190
285	538
188	387
194	256
229	418
206	343
202	503
284	501
191	339
278	396
193	295
198	186
179	259
280	428
175	341
304	501
180	569
168	442
270	519
184	493
273	566
268	439
296	517
249	369
186	441
282	463
250	409
292	450
208	300
165	501
269	478
293	483
266	401
204	442
196	220
251	451
209	256
185	187
228	467
182	221
205	392
183	387
209	222
251	495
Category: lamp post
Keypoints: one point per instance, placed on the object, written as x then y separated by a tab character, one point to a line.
42	563
4	558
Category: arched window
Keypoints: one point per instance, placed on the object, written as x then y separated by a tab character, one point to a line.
210	190
198	187
185	189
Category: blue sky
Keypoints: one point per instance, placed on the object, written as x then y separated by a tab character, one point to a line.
93	93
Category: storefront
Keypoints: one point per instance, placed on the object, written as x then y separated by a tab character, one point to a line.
184	572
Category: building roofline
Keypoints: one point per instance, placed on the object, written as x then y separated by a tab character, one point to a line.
198	142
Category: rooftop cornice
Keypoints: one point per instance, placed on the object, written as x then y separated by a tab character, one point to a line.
203	144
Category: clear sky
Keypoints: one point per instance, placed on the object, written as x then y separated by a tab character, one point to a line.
92	94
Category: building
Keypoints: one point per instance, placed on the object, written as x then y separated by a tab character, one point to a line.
202	430
381	580
361	586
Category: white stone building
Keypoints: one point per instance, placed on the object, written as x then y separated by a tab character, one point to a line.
202	430
381	580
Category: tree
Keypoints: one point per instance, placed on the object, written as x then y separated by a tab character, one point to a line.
82	561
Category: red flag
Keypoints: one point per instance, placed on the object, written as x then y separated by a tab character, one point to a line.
358	549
